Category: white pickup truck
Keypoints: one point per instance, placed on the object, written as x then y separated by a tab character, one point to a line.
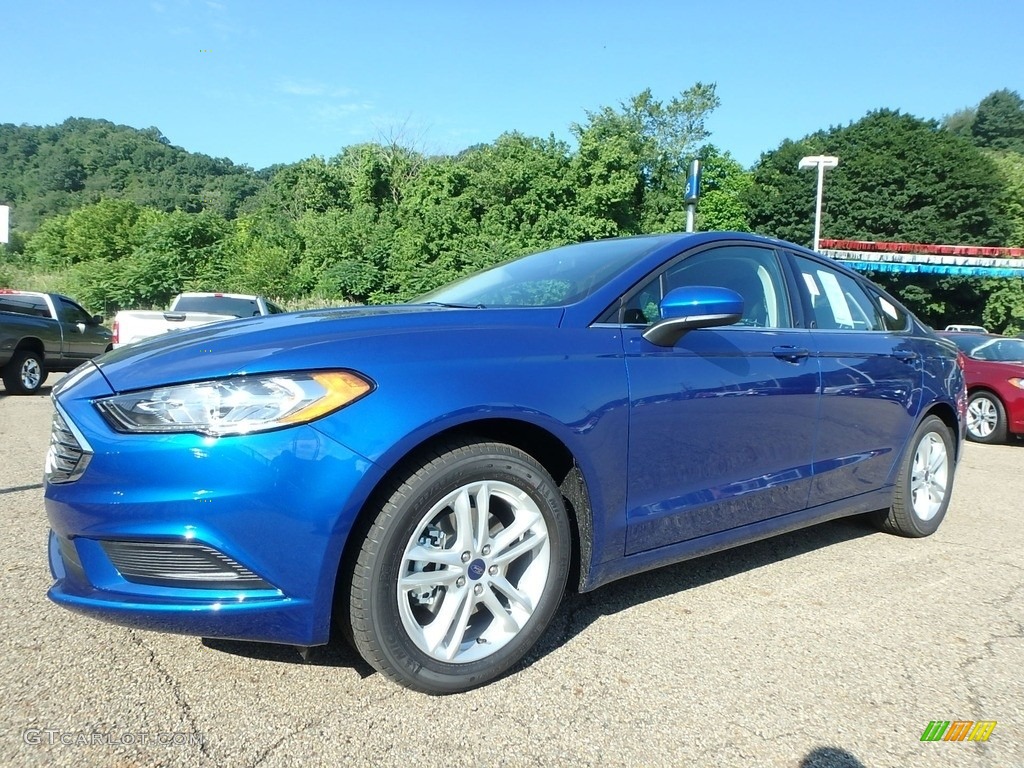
187	311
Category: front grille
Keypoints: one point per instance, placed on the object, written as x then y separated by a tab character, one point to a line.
186	564
68	455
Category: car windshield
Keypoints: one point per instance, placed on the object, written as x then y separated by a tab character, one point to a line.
968	342
1000	351
553	278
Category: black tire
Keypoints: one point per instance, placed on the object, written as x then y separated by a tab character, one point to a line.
24	374
986	418
927	466
392	626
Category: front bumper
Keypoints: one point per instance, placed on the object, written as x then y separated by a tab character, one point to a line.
1014	399
261	615
234	537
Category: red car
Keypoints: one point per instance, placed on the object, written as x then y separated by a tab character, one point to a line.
994	369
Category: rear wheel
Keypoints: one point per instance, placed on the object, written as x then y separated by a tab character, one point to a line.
24	374
986	418
925	482
462	570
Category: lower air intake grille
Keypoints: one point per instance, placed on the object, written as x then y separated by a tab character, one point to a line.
169	564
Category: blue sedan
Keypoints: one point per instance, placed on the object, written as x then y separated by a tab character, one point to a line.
428	479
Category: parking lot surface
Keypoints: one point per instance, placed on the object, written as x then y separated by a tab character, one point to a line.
833	646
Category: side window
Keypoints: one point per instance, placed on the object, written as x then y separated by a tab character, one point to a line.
39	306
988	351
838	302
273	309
894	316
71	312
25	305
754	273
17	304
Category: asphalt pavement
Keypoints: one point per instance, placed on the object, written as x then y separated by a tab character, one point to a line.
833	646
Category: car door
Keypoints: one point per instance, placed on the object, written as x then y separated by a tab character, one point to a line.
721	424
871	375
83	339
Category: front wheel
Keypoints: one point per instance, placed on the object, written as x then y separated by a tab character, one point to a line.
462	569
986	418
925	482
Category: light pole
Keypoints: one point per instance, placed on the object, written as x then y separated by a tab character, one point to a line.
821	162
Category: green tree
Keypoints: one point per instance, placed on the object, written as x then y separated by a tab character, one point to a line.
62	173
109	230
899	179
45	247
262	256
1011	171
999	121
960	122
521	192
630	159
51	170
120	256
341	257
392	167
436	227
1004	307
724	185
780	201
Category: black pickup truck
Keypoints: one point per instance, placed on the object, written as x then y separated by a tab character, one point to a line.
44	332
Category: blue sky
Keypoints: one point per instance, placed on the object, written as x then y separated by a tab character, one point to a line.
274	82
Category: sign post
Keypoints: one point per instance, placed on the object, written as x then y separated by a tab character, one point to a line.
692	193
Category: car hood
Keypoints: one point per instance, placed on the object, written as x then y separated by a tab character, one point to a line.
311	340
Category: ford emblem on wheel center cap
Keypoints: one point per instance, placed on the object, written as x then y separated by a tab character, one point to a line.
476	569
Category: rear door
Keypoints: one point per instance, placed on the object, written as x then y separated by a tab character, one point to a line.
871	378
722	423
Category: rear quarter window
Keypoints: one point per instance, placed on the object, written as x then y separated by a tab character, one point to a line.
894	317
25	305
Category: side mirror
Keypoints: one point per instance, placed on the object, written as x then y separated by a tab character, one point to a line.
97	319
694	306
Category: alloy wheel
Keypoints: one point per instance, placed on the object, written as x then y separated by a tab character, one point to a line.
474	571
930	476
982	417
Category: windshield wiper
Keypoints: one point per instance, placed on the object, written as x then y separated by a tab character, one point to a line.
452	306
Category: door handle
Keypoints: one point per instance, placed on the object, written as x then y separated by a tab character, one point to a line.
905	356
790	354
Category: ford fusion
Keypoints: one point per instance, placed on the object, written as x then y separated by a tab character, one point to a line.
428	479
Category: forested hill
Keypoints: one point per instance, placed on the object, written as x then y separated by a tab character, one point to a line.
48	170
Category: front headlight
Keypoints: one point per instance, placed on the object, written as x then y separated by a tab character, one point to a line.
234	406
1018	383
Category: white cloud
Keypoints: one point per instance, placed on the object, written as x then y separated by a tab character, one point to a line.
330	113
300	87
295	87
